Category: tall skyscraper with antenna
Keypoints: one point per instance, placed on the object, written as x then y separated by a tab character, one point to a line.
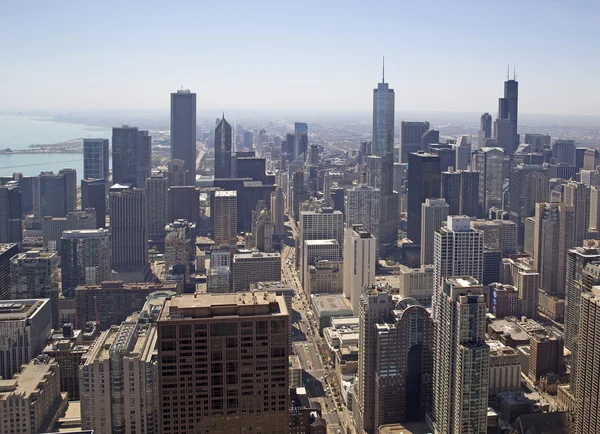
505	126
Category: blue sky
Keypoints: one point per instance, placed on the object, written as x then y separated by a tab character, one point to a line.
440	55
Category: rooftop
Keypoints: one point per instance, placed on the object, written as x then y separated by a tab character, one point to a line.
85	233
6	247
330	302
321	242
226	193
28	380
12	310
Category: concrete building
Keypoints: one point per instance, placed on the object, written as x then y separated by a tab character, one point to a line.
131	156
328	306
183	132
118	375
314	251
240	384
261	237
184	203
325	277
563	151
255	267
180	245
498	234
416	283
362	207
11	230
503	300
7	251
278	212
25	326
32	401
219	280
410	138
577	195
521	273
224	217
176	172
34	274
505	369
95	158
53	227
128	227
110	303
433	213
360	255
461	360
85	259
156	206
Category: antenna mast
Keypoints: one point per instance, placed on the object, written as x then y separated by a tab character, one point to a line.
383	76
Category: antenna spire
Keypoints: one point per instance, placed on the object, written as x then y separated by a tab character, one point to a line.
514	72
383	76
508	71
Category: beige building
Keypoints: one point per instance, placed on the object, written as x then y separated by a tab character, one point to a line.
416	283
223	364
223	215
249	268
360	256
325	277
521	273
505	369
314	251
31	401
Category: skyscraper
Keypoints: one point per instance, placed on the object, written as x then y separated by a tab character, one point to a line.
360	257
485	128
362	208
128	227
156	206
461	191
505	127
93	195
396	364
423	183
463	152
300	140
183	131
563	151
131	156
85	257
240	363
433	213
95	159
461	360
577	195
223	149
34	274
11	226
410	138
490	165
70	179
184	203
54	196
223	214
7	251
278	212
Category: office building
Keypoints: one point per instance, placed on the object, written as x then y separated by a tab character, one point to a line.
423	183
588	369
111	302
118	375
505	126
7	251
522	274
53	227
490	165
219	280
156	211
176	173
183	132
180	245
32	399
223	149
505	369
131	156
255	267
314	251
184	203
34	274
362	207
395	385
503	300
253	374
278	212
498	235
563	151
70	177
463	152
85	257
359	263
429	138
461	359
93	195
11	226
25	326
577	195
298	194
128	227
528	186
416	283
224	217
261	237
325	277
56	195
485	128
410	138
300	140
553	236
95	159
537	141
433	213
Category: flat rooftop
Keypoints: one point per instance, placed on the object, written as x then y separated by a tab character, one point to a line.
321	242
226	193
11	310
27	381
255	255
330	303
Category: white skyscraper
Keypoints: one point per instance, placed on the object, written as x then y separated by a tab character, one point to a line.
433	213
359	263
461	359
362	208
463	152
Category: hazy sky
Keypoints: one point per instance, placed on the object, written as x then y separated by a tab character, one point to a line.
440	55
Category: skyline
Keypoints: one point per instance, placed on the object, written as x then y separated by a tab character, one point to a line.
444	60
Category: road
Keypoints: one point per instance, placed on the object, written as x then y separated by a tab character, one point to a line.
306	343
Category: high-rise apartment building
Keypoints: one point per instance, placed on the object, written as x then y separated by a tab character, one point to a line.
300	140
485	128
95	159
433	213
416	283
362	207
156	205
410	138
25	326
461	191
128	227
577	195
463	152
360	257
278	212
249	268
85	257
7	251
180	245
57	194
234	349
587	415
223	214
461	359
522	274
53	227
183	132
131	156
423	183
491	168
223	149
118	375
94	195
34	275
11	226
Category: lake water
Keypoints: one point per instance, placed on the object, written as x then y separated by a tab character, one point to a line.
18	132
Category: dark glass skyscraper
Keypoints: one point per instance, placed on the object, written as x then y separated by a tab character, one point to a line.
505	127
10	213
183	131
423	182
300	139
131	155
93	195
485	128
95	158
223	149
